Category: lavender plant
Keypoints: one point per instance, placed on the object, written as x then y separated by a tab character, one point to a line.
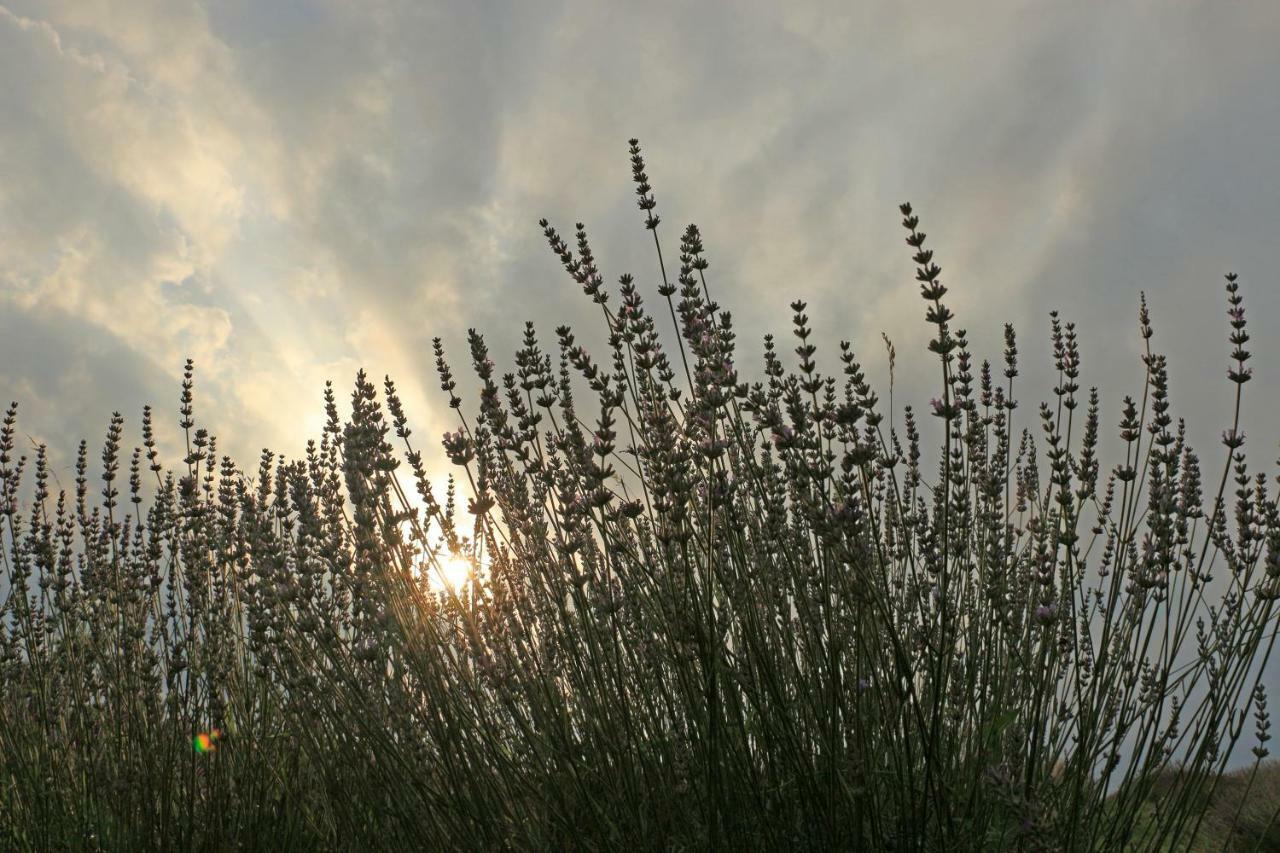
702	612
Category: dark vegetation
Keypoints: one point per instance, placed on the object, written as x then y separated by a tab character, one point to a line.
704	612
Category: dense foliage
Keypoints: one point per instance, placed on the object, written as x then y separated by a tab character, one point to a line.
702	612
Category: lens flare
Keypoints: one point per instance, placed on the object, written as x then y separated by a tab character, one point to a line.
207	741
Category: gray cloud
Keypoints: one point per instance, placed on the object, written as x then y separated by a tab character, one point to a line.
289	190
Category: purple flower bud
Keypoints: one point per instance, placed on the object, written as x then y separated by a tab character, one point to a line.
1044	613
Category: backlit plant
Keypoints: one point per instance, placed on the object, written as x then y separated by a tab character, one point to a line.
700	611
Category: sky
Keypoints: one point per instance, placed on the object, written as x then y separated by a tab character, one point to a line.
288	191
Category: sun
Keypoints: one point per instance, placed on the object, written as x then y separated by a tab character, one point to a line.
451	573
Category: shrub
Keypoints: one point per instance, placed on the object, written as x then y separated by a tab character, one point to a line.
701	612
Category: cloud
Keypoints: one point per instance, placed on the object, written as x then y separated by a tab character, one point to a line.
326	185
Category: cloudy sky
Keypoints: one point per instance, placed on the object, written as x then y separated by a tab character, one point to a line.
286	191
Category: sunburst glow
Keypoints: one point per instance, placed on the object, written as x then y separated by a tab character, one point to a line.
450	573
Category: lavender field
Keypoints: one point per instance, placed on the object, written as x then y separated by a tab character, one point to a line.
387	463
661	603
